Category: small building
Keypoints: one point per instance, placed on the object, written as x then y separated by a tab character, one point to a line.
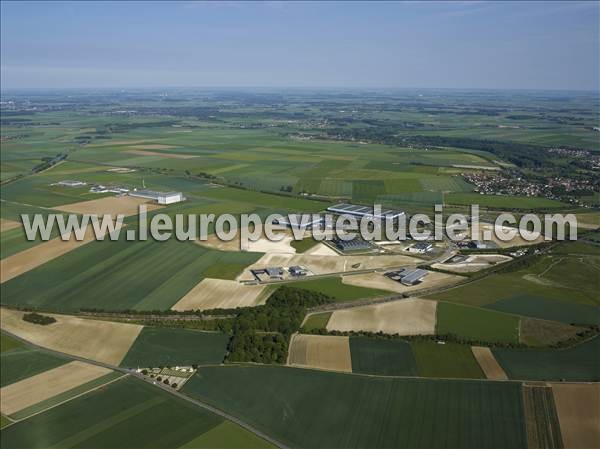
159	197
298	271
420	247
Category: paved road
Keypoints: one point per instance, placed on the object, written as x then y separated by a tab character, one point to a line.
160	385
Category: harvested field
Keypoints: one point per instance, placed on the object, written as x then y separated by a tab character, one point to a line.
113	205
221	294
488	363
404	317
578	409
381	282
165	155
6	225
517	241
26	260
320	351
541	422
262	245
544	333
320	249
93	339
30	391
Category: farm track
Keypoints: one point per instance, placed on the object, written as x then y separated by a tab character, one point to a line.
165	388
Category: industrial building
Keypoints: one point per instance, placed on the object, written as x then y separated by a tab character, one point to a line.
364	211
159	197
295	221
357	243
406	276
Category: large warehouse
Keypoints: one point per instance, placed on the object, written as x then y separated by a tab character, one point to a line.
159	197
364	211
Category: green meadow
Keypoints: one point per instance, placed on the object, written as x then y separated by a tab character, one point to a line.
284	402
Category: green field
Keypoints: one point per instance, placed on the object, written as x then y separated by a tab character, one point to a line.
578	364
175	347
285	402
7	343
118	275
99	382
551	278
22	362
473	323
127	414
548	309
303	245
382	357
449	360
337	290
316	321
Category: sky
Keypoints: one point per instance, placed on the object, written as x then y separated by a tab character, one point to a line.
424	44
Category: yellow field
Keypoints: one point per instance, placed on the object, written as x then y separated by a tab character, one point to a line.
221	294
488	363
6	225
113	205
578	408
320	351
410	316
35	256
38	388
102	341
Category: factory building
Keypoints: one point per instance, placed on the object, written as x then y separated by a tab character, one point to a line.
356	243
159	197
364	211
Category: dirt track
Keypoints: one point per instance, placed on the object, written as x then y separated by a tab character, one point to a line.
30	391
321	351
404	317
93	339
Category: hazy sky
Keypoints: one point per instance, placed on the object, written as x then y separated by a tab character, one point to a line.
545	45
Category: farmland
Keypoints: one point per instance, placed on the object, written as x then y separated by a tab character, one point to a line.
445	360
295	152
127	413
383	357
577	363
171	347
474	323
264	396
